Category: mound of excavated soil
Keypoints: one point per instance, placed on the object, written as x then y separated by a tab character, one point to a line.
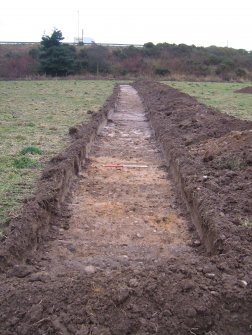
209	155
212	152
247	89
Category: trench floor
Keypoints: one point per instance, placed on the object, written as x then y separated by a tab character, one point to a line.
123	209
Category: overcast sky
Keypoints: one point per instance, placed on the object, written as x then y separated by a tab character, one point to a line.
199	22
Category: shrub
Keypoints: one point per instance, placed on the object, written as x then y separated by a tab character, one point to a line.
240	72
94	59
161	71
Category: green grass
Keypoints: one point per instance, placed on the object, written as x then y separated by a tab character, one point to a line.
220	96
36	115
24	163
31	150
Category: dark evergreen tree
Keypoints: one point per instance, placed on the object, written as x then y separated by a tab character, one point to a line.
56	59
52	41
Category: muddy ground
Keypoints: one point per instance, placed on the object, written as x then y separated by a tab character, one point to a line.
124	256
247	89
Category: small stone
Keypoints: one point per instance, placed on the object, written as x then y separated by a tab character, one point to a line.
210	275
214	293
35	312
71	248
83	331
139	235
201	309
209	268
167	313
243	283
196	243
222	236
205	178
90	269
222	266
100	331
133	282
123	295
191	312
20	271
188	286
40	276
125	256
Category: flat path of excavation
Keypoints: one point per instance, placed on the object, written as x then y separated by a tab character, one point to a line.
122	216
124	264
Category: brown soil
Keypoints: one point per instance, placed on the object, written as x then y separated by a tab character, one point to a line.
247	89
124	257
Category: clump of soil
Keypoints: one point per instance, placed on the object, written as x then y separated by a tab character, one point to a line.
247	89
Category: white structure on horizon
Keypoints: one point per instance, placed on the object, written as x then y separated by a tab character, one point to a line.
84	40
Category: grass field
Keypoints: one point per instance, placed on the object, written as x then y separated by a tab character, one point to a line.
220	96
34	121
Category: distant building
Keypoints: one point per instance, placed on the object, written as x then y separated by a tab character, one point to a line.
85	40
88	40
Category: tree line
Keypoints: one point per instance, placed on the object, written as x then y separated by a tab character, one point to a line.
54	58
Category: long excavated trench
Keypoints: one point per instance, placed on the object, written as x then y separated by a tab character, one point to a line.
123	209
126	261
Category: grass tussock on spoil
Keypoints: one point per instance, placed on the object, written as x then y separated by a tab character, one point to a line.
209	154
34	121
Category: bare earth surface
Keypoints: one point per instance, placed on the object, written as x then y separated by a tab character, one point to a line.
126	261
247	89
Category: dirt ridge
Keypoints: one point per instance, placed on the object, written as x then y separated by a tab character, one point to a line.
183	126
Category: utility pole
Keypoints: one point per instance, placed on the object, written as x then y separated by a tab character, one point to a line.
78	26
